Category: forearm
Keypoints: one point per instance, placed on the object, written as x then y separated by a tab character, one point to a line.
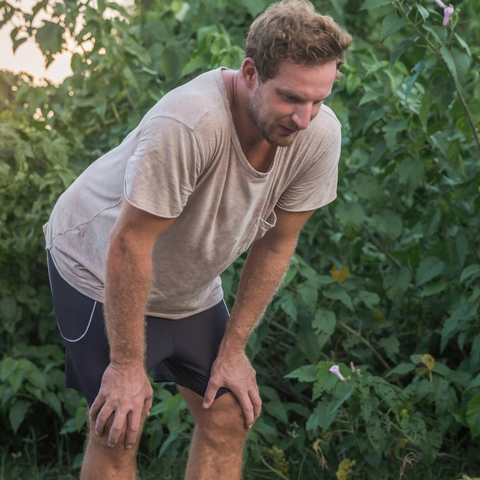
262	273
128	275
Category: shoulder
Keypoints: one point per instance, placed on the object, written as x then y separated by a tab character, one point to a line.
325	125
197	102
322	138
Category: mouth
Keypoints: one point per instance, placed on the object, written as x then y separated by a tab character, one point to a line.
286	131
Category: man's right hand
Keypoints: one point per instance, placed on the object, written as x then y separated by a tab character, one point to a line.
125	391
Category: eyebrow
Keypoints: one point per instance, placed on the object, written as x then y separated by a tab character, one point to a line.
297	97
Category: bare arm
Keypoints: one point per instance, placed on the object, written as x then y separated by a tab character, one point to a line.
262	273
125	387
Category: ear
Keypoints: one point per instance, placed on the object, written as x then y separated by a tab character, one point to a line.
249	73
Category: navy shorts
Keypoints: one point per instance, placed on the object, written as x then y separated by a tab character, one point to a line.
180	351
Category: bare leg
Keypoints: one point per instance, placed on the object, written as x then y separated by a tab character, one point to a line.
217	444
102	462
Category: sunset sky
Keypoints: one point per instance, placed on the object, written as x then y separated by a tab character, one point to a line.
28	57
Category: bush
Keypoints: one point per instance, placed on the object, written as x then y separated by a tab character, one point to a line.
384	282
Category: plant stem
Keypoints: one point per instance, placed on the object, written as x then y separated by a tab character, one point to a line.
273	470
381	247
457	88
366	342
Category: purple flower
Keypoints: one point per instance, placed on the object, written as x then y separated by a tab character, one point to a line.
447	13
336	370
352	367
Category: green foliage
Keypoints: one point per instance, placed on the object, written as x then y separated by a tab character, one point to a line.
386	274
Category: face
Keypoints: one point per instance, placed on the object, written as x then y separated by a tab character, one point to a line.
287	103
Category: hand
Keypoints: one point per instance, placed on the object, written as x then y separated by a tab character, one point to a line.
234	371
125	391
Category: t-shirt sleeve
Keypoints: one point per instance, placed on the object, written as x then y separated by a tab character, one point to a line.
163	171
316	185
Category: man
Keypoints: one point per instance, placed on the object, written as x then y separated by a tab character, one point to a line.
231	159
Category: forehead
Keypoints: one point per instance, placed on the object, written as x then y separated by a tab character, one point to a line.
306	81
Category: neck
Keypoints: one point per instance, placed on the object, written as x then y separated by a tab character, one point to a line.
256	149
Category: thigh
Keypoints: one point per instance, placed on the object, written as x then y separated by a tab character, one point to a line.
81	325
195	343
225	415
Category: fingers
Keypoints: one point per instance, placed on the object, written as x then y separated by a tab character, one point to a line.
95	409
116	428
210	394
248	410
257	404
134	423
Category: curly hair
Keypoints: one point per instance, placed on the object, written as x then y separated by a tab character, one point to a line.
290	30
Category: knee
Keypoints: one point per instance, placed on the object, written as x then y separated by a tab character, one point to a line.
118	456
224	424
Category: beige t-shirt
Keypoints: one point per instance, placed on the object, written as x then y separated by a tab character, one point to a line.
185	161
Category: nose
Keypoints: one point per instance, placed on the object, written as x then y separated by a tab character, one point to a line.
302	116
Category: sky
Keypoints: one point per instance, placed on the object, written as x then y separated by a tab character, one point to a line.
28	57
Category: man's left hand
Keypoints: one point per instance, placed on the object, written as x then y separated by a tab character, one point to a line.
234	371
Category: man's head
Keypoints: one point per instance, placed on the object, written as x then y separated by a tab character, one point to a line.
291	31
292	57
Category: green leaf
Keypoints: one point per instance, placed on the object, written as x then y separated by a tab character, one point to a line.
352	83
37	378
327	410
307	373
464	44
447	56
370	95
460	416
268	432
391	345
337	292
425	109
462	63
439	33
473	415
388	223
451	324
475	383
370	299
8	307
309	294
276	409
401	369
80	417
469	271
50	39
9	365
52	400
397	282
375	4
325	380
391	24
396	53
410	171
17	42
429	268
423	11
387	393
324	323
417	69
350	214
17	414
376	435
433	289
255	7
16	379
